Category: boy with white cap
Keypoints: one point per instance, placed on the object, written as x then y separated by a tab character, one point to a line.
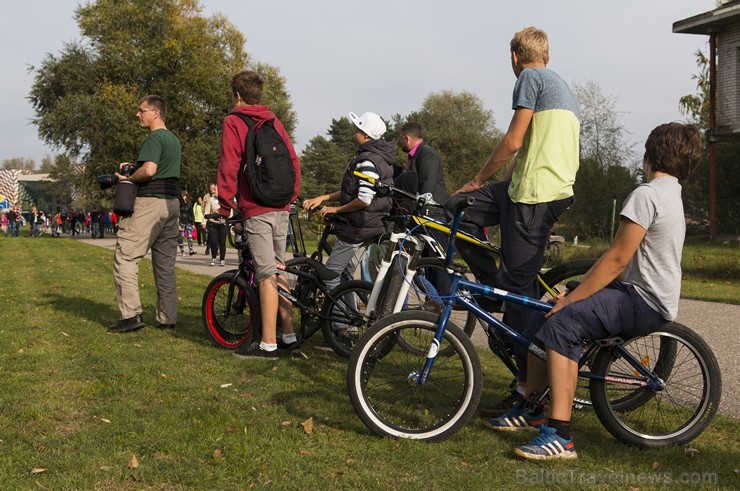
361	209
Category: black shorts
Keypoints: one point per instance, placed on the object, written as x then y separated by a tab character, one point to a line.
616	310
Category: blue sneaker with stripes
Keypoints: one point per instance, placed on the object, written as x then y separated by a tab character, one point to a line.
547	445
516	419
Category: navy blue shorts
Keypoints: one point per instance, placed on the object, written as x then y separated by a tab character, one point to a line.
616	310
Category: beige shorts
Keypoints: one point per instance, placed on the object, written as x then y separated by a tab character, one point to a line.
266	236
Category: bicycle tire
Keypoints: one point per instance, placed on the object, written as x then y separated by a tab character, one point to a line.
422	295
242	325
348	310
672	416
307	291
552	255
384	394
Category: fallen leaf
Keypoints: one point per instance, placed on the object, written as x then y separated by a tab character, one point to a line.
105	420
690	451
138	345
285	423
304	452
65	334
254	408
274	369
632	488
20	350
223	386
465	464
334	475
163	375
308	426
134	462
37	470
230	428
246	395
217	453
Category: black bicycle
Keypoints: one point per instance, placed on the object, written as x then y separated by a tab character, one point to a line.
230	308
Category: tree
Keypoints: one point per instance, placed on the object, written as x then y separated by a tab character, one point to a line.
324	160
460	129
46	164
322	167
603	137
608	170
19	163
86	97
727	158
600	192
65	177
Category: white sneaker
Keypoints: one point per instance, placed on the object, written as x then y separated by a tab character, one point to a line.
223	263
213	262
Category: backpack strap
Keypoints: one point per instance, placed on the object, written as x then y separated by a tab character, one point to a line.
254	127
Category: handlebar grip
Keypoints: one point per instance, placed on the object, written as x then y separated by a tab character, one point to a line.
365	177
464	203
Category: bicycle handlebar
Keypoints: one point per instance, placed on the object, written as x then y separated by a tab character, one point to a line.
392	189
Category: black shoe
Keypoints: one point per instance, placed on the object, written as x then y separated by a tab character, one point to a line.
165	326
192	252
502	406
286	346
126	325
255	351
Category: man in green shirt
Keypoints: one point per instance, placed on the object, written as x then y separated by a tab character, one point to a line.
153	223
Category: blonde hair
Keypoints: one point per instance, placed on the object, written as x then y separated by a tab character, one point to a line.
531	45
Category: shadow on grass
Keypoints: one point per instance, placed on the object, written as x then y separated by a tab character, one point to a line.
324	393
188	323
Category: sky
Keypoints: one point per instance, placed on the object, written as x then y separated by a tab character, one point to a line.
387	56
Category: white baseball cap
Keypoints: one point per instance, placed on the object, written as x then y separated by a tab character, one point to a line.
370	124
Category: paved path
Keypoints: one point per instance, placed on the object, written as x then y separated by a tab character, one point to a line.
715	322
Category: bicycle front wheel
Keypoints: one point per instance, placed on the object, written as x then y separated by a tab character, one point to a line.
229	325
382	379
650	418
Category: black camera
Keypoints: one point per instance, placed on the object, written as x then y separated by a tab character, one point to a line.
109	180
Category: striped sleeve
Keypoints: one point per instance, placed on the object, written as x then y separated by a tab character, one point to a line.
366	192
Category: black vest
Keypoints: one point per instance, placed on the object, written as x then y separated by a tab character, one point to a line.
367	223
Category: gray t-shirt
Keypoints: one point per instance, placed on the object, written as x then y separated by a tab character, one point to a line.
655	269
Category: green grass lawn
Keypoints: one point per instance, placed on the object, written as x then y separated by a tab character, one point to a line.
77	403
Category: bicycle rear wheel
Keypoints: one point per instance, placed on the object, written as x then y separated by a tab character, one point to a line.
242	323
343	319
307	291
672	416
382	379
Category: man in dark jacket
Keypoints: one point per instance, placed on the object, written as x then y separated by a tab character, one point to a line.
361	209
424	168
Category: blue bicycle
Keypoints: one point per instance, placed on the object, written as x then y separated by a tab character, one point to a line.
652	391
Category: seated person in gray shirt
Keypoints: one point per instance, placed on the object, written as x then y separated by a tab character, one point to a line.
646	251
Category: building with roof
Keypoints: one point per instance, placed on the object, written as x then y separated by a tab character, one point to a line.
722	25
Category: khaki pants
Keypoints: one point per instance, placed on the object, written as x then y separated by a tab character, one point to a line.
153	225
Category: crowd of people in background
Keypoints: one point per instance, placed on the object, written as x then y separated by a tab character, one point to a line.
95	223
